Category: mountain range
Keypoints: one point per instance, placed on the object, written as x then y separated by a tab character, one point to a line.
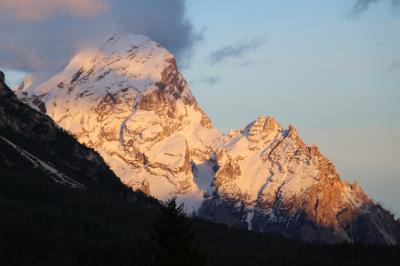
128	101
61	205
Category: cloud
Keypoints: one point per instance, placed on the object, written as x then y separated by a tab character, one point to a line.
363	5
38	10
394	66
211	80
237	50
47	36
251	63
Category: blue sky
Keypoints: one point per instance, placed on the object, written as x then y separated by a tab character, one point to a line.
334	75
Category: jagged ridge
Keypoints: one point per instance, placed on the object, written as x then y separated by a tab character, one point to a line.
269	180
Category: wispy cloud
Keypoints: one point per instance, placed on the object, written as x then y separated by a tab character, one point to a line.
251	63
211	80
237	50
362	6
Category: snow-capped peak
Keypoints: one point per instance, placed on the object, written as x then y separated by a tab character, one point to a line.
125	61
269	178
128	101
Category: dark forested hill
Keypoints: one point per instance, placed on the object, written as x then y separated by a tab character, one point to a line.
60	204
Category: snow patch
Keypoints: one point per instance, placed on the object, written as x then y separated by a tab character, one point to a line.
56	175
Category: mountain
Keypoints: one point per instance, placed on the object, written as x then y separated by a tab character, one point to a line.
128	101
269	180
61	205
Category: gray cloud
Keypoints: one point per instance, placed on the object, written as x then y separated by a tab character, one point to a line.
211	80
251	63
363	5
394	66
32	42
237	50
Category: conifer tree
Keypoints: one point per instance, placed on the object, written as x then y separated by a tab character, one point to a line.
173	239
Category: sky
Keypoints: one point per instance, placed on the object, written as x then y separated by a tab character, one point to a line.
330	68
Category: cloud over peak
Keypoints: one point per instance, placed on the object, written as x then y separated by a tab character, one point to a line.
39	10
38	35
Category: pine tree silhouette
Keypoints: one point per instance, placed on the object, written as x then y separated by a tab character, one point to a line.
173	240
